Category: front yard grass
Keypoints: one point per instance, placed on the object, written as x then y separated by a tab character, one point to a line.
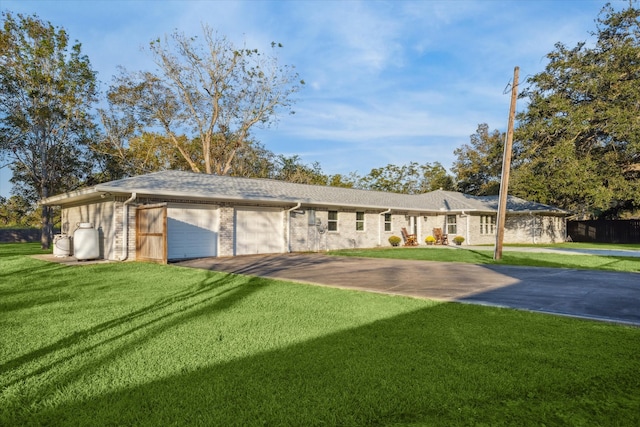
475	256
150	345
581	245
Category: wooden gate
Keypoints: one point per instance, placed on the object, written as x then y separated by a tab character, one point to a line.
151	233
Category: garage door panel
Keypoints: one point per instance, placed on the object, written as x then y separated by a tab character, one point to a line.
192	231
259	231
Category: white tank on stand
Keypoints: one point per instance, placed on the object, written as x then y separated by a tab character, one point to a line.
86	242
61	245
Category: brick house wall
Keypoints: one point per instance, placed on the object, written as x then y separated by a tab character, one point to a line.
301	232
519	229
225	241
534	229
311	237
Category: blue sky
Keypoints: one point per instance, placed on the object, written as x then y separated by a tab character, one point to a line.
387	82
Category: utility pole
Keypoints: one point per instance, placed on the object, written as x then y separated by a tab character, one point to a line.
506	168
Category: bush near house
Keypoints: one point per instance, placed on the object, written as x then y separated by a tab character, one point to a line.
395	240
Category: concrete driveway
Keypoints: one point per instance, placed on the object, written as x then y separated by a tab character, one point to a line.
590	294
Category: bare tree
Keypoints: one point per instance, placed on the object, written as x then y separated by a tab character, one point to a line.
208	91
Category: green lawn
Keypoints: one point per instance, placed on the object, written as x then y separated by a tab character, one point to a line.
145	344
579	245
482	256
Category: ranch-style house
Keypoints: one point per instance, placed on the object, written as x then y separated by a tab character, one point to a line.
174	215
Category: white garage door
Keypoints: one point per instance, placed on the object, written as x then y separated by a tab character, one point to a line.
259	231
192	231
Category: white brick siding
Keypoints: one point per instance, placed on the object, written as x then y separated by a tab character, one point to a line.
101	215
304	237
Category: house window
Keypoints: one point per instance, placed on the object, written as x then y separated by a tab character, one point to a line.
487	224
359	221
332	223
452	226
387	222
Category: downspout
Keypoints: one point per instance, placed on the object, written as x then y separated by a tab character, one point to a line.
289	225
125	227
380	226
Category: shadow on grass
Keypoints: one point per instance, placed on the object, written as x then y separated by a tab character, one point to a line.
484	256
20	249
436	366
215	293
441	365
14	297
35	269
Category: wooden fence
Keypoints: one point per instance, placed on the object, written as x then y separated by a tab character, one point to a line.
21	235
605	231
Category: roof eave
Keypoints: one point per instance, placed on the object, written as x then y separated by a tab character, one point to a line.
71	197
102	189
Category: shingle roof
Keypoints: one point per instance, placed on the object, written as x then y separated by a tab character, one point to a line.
180	184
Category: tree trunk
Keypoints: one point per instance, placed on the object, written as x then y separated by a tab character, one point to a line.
47	228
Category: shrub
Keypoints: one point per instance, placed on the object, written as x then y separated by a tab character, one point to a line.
395	240
458	240
430	239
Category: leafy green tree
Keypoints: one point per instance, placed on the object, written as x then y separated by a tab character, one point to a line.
16	211
407	179
579	137
47	88
292	169
142	154
348	181
211	92
435	177
478	165
392	178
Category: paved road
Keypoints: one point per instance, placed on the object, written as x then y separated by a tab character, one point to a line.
597	295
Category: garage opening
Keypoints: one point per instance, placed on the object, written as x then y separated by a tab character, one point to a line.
192	231
259	231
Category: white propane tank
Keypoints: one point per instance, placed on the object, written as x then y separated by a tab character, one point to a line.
86	242
61	245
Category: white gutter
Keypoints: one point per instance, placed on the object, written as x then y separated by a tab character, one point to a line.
380	226
125	227
289	225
